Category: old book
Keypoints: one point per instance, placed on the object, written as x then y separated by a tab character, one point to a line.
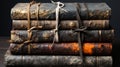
64	24
32	60
47	11
61	49
20	36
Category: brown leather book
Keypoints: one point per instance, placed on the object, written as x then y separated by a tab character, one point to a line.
20	36
45	60
63	24
61	49
47	11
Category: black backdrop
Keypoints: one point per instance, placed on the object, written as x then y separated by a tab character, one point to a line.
5	20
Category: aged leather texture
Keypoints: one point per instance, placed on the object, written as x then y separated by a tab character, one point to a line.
63	24
91	49
37	60
20	36
47	11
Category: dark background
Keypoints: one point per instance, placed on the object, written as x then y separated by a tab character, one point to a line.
6	23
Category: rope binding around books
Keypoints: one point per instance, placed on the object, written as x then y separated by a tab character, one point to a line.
79	30
59	7
29	29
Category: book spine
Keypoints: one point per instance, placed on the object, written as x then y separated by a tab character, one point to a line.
64	24
62	49
87	11
90	61
19	36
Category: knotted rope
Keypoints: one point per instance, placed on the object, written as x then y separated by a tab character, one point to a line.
57	12
79	30
29	29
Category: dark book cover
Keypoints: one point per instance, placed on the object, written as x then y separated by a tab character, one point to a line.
6	26
47	11
32	60
20	36
90	49
63	24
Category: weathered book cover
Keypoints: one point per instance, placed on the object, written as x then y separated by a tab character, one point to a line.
61	49
89	61
47	11
20	36
63	24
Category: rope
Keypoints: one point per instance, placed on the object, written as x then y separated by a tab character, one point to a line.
26	43
86	9
29	25
57	11
57	20
56	37
79	39
80	29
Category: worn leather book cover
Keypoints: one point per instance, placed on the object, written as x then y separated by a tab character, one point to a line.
20	36
47	11
45	60
63	24
91	49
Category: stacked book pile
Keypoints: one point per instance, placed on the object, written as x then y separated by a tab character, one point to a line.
60	34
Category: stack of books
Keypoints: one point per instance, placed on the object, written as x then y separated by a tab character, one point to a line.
79	35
